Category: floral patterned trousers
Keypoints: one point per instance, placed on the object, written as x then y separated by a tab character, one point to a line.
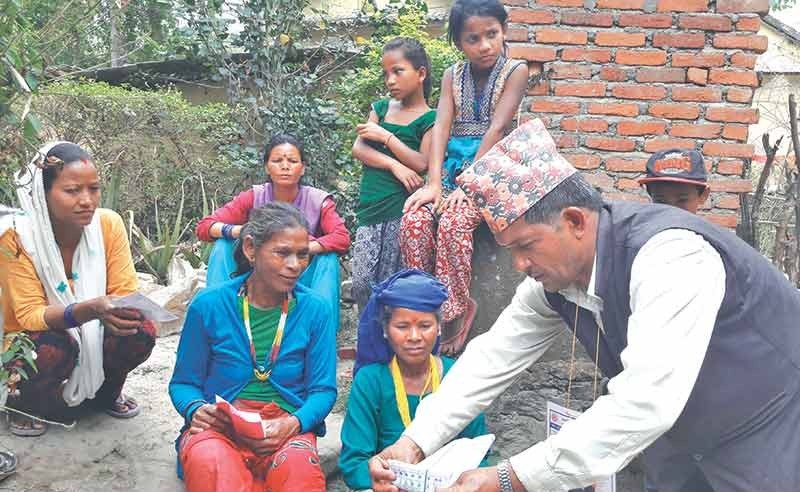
444	251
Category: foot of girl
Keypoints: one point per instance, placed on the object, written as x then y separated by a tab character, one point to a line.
124	407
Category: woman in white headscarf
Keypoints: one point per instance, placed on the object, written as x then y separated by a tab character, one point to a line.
62	262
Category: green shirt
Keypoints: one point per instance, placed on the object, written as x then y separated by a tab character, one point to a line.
373	421
382	196
264	326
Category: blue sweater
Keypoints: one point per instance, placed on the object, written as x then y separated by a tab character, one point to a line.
214	355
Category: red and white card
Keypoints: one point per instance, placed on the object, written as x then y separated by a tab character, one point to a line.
245	423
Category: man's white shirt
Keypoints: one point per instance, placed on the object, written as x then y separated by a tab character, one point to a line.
676	289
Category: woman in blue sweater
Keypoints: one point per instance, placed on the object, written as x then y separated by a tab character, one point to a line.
266	344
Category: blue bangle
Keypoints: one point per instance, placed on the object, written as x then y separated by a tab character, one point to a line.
69	318
227	231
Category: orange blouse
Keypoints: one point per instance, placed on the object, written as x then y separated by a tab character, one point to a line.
23	296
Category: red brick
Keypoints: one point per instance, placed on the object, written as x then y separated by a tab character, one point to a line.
542	105
682	40
583	18
697	76
584	124
586	54
613	74
641	57
625	197
561	36
727	200
751	42
748	23
560	3
627	184
567	141
583	161
739	95
626	165
581	89
531	16
656	144
675	111
614	109
731	167
621	4
540	89
517	34
730	221
743	6
612	144
735	115
641	127
616	38
570	71
600	180
702	94
637	91
708	22
695	130
722	149
733	77
663	75
744	60
701	59
735	132
731	185
682	6
650	21
516	3
532	53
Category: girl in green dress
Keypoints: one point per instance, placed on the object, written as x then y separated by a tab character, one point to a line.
393	146
396	367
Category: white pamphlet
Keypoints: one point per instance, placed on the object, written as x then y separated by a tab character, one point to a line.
149	309
442	468
557	416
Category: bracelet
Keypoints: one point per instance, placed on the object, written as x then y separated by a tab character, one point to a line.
386	143
504	476
69	318
227	231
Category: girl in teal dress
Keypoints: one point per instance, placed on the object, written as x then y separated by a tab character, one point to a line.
479	100
395	369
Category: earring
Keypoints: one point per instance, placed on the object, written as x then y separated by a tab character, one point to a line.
385	335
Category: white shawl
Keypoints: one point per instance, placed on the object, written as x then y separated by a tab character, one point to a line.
89	276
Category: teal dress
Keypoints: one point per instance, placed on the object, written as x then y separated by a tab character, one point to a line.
373	422
474	109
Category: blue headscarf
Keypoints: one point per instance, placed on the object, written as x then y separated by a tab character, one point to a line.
411	289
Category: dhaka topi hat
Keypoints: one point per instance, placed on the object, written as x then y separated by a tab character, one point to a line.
411	289
514	175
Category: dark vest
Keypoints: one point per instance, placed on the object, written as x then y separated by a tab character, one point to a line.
752	365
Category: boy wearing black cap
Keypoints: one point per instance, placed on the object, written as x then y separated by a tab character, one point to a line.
677	177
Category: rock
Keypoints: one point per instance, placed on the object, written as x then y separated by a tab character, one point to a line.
346	292
178	270
330	445
147	283
184	283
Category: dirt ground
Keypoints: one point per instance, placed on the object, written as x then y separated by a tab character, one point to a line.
104	454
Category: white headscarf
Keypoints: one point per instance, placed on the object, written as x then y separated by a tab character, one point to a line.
89	275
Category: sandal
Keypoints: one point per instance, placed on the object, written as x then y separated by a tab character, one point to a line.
25	426
124	407
455	343
8	464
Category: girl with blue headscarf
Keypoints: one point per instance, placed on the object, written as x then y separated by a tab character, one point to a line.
398	335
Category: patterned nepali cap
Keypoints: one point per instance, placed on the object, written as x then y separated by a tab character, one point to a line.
515	174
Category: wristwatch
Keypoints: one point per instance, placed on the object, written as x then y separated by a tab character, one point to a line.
504	476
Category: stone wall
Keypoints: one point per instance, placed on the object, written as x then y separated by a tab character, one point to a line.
629	77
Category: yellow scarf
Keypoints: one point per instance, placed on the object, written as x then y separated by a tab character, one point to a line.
400	388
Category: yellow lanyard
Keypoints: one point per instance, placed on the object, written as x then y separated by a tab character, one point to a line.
400	388
262	373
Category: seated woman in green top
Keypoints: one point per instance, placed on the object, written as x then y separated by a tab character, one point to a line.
393	146
395	368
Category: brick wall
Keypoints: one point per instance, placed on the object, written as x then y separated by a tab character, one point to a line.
629	77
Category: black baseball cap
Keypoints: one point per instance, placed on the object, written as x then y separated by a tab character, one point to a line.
676	166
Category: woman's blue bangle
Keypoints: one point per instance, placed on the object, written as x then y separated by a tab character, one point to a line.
227	231
69	318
